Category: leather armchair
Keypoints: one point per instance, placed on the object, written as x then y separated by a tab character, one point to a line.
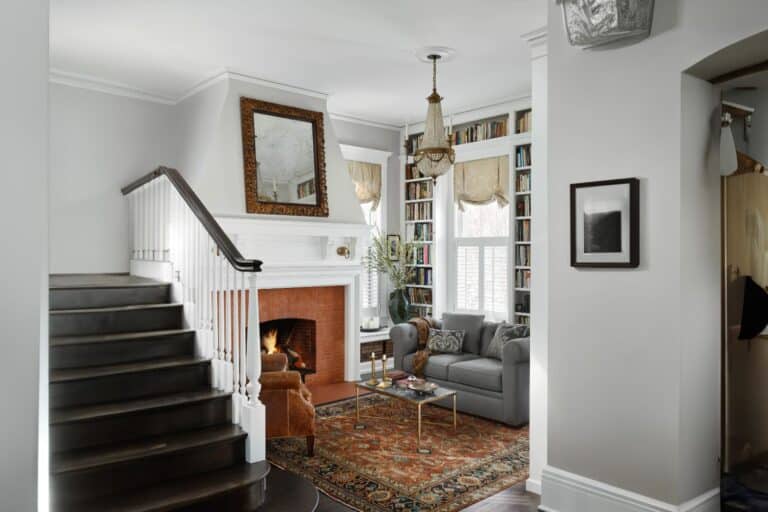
290	412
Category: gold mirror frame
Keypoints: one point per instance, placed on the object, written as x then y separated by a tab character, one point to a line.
249	107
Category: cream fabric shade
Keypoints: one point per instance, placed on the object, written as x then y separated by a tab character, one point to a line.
367	178
481	181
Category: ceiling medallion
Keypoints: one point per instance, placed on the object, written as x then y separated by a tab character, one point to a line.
435	155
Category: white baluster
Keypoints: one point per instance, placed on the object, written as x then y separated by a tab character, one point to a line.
243	331
236	331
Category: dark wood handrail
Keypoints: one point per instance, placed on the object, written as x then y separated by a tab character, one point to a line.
223	242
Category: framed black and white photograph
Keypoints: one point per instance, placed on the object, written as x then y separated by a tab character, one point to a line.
605	224
393	247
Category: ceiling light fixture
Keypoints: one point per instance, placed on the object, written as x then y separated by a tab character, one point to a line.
435	154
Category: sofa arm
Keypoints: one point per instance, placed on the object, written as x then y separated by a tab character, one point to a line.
517	351
404	341
280	380
515	359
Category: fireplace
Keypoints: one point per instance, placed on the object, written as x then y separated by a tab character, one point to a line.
294	337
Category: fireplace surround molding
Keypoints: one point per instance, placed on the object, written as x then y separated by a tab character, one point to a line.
302	254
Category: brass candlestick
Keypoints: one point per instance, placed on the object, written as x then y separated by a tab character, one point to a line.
373	381
385	381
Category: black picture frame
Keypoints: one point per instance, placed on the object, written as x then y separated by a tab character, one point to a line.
606	231
393	246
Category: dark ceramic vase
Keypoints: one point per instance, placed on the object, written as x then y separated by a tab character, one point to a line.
398	307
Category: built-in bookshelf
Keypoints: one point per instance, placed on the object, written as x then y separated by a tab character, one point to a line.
419	230
426	214
522	223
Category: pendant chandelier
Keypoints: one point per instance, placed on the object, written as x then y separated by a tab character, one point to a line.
435	154
591	23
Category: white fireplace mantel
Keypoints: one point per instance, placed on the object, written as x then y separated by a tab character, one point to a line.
299	254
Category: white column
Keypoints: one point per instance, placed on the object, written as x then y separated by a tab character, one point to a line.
537	41
253	412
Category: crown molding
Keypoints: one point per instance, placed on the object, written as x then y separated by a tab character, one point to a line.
364	122
537	41
93	83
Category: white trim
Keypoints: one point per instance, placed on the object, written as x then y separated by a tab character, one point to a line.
563	491
537	40
533	486
92	83
356	120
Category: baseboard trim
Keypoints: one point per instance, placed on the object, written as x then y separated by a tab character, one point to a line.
563	491
533	486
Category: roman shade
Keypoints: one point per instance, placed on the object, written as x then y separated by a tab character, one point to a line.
367	178
481	181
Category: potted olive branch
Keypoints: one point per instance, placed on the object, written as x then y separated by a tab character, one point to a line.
399	273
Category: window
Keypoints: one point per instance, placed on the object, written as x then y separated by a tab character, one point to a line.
481	260
369	280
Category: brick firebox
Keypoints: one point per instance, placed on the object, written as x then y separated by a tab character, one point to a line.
324	305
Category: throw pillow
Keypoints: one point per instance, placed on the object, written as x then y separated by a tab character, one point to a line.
445	341
472	325
504	334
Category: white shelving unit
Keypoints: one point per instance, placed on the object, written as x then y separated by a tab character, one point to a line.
519	297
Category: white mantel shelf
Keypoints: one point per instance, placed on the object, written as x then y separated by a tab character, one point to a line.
302	254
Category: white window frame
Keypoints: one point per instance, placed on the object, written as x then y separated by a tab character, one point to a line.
379	157
482	242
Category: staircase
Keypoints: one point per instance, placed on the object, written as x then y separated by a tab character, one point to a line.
134	422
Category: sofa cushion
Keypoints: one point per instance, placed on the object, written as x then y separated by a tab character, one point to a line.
438	364
472	326
504	334
481	372
489	329
444	341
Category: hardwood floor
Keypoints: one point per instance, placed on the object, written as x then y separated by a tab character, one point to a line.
514	499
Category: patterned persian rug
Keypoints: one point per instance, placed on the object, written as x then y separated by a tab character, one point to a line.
378	468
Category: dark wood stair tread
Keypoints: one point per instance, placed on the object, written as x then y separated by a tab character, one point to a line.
81	281
115	309
78	460
91	372
289	492
183	492
90	412
62	341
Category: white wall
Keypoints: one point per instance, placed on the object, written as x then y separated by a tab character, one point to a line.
628	378
24	258
220	184
100	143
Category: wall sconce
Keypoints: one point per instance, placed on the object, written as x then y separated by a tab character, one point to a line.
729	162
344	251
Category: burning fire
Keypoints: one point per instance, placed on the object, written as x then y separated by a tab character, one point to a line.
269	341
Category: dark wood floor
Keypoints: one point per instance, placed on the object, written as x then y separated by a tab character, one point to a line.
514	499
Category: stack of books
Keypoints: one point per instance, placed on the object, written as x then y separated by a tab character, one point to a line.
524	122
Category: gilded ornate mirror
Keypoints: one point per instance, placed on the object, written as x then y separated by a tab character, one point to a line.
284	159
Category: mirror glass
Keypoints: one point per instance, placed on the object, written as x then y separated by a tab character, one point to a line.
285	159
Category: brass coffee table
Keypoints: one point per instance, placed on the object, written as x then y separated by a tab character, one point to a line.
411	397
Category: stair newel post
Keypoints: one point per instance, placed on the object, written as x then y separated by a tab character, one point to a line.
236	332
253	419
228	325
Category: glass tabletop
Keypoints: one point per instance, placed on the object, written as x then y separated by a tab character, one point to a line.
404	393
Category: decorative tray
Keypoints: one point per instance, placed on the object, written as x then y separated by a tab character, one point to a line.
422	387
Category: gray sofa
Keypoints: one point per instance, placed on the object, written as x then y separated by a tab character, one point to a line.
487	387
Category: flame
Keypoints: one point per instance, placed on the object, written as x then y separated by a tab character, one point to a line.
269	341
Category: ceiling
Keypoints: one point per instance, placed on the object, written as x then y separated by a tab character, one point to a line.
360	52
